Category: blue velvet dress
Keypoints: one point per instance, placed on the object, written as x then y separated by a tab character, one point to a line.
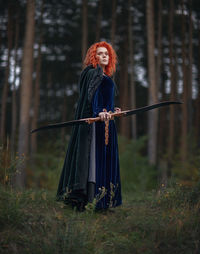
108	185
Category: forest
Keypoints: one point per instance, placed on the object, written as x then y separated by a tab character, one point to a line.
42	48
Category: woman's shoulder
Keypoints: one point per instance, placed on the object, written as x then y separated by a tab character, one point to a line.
91	71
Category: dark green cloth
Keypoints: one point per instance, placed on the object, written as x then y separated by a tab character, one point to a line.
74	174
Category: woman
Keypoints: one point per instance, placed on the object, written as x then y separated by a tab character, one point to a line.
91	167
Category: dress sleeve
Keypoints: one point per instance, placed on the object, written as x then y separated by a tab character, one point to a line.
97	103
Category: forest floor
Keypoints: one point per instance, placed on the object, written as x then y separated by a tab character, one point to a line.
32	221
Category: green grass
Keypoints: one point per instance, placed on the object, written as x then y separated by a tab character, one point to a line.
33	222
148	222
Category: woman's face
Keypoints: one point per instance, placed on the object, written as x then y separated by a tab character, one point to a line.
102	56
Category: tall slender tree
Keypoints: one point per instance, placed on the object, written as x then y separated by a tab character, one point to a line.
184	130
160	81
36	100
113	23
197	104
14	99
190	78
7	72
26	89
131	64
64	114
99	18
153	94
161	89
84	28
49	87
124	89
159	46
171	140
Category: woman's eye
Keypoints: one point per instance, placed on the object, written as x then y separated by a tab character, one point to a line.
101	53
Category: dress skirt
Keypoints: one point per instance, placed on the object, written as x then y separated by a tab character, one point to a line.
107	173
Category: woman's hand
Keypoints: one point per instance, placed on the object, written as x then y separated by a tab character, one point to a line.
105	116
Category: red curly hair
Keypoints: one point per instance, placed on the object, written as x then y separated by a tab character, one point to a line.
91	57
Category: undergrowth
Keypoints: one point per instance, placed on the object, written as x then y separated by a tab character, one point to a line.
167	222
149	221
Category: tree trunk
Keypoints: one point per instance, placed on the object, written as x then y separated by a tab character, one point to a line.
113	24
26	89
161	115
190	81
64	104
64	114
36	101
124	91
7	71
160	83
153	97
197	115
14	103
184	130
48	92
99	17
171	140
132	83
159	46
84	28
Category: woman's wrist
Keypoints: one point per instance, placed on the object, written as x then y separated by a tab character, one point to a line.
117	109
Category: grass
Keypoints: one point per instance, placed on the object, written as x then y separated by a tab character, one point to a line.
33	222
148	222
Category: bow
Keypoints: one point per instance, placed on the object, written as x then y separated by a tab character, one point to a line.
115	114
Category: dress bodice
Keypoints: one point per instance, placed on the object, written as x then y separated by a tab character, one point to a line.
104	96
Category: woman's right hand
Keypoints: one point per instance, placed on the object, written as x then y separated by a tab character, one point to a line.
105	116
